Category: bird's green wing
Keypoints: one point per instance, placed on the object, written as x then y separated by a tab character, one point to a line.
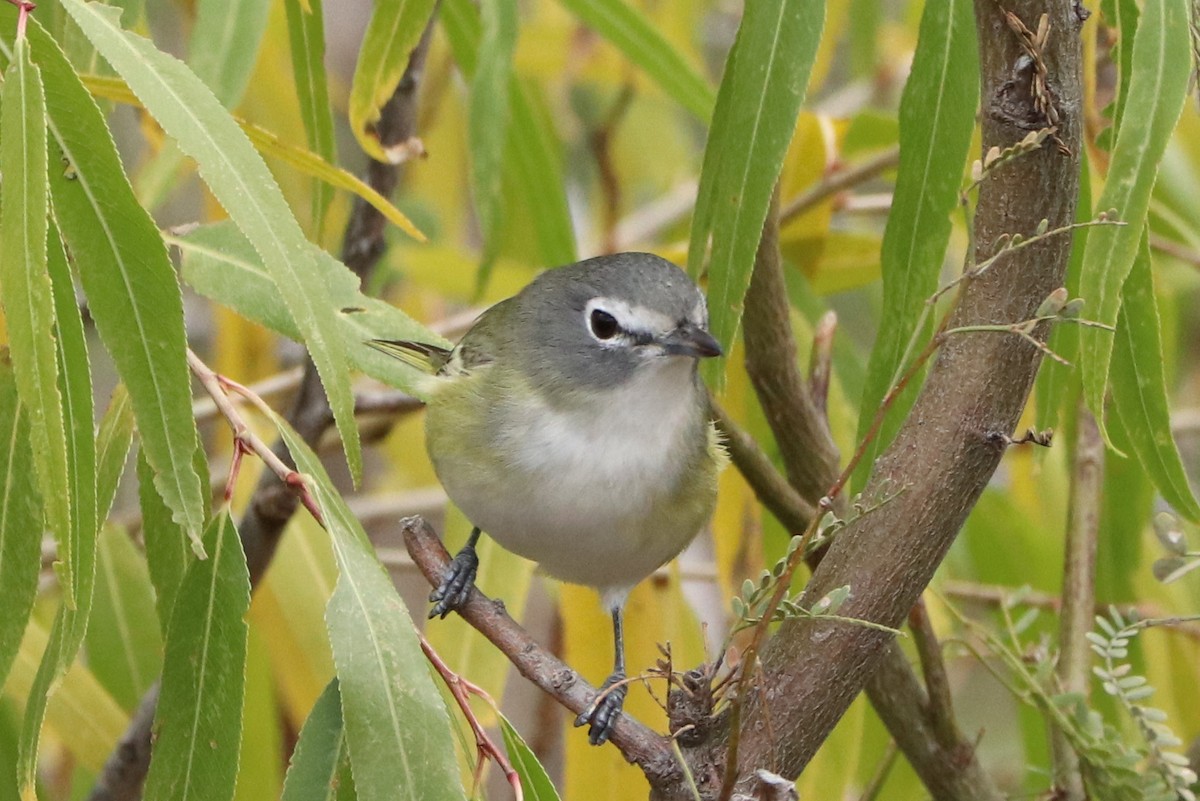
421	355
477	348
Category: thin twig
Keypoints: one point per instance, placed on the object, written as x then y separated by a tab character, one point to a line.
838	182
875	786
937	684
460	688
1078	592
244	438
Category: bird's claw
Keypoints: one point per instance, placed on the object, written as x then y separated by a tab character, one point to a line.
457	583
601	716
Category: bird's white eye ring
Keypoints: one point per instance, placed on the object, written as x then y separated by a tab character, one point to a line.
603	324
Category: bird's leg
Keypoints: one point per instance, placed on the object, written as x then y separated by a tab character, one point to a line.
458	580
602	715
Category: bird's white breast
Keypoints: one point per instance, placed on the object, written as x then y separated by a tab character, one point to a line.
579	484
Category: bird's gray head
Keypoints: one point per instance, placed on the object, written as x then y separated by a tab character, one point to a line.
601	322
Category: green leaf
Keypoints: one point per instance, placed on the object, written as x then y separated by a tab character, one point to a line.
488	116
222	50
392	33
533	174
1057	384
70	624
937	117
75	386
198	724
112	448
28	296
1139	387
397	727
535	782
1157	88
133	294
240	181
123	643
20	521
1121	16
319	753
167	552
224	45
635	36
757	105
306	33
218	262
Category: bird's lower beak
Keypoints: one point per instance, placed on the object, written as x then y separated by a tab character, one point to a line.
692	340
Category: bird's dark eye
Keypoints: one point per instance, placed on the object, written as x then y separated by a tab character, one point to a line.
604	325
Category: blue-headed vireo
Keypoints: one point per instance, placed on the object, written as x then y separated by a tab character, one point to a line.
570	425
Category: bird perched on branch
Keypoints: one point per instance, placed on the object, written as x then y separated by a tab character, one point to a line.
570	425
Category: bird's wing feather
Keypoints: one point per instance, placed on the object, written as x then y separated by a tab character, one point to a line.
425	357
477	348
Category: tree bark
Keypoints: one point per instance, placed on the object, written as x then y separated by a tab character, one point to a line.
954	437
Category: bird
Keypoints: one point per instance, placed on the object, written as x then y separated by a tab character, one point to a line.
571	425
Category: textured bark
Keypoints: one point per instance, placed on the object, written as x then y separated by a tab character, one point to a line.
953	439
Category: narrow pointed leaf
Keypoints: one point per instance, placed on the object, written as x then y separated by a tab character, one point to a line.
535	782
309	162
392	33
198	723
222	50
1160	69
123	643
240	181
70	624
487	127
1139	388
319	753
224	45
27	295
306	33
219	263
112	448
133	294
640	42
397	727
20	521
533	173
760	97
167	553
937	117
75	386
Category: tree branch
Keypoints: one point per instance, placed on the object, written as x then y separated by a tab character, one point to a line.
1078	591
947	449
809	455
652	752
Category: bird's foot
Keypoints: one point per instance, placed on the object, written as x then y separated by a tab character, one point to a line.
601	716
457	582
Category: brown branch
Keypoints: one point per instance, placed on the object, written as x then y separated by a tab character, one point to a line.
273	502
1078	591
651	752
809	455
940	709
838	182
771	489
947	449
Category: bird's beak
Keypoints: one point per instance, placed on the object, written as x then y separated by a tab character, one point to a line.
690	339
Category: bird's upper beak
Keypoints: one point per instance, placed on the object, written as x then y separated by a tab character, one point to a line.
690	339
